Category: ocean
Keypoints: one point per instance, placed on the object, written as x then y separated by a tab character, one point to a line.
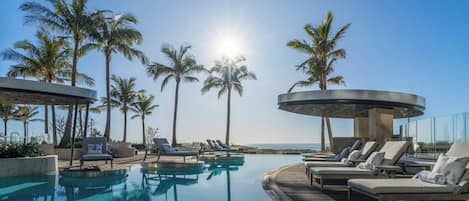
312	146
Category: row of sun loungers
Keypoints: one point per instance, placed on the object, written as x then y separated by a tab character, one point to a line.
449	179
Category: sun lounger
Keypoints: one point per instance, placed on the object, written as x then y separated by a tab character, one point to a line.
343	154
95	149
163	148
366	150
393	150
415	189
217	145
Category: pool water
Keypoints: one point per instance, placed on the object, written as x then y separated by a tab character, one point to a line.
223	181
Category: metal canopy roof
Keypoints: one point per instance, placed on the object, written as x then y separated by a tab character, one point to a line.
351	103
39	93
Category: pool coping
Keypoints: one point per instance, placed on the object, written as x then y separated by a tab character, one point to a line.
271	188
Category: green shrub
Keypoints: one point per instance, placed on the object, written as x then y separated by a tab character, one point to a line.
140	147
19	150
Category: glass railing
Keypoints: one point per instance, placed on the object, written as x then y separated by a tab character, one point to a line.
432	136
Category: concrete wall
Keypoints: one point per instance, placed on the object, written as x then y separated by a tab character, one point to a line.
28	166
64	154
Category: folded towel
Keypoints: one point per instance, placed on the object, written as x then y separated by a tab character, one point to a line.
431	177
364	165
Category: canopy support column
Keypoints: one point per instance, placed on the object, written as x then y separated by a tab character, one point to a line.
73	132
86	119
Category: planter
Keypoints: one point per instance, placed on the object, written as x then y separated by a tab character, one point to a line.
64	153
28	166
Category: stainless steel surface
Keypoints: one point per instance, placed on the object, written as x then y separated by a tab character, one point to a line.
351	103
35	92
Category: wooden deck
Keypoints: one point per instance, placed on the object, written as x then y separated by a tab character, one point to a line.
294	185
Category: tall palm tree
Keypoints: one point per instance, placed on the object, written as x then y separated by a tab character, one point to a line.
116	35
26	114
48	61
228	75
123	94
7	111
142	107
182	67
322	54
75	22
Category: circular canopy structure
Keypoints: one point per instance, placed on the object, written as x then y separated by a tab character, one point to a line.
38	93
351	103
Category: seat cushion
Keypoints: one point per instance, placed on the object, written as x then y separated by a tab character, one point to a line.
181	153
324	164
320	159
340	171
96	157
382	186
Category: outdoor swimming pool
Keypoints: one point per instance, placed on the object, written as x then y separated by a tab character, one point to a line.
229	181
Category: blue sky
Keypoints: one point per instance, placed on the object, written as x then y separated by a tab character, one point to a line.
418	47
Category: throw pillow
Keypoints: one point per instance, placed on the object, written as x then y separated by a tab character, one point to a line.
376	158
454	169
440	163
95	148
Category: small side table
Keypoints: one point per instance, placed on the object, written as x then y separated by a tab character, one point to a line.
389	170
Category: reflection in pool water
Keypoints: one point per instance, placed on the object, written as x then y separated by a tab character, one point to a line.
229	180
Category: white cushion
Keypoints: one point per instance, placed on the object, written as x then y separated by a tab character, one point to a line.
382	186
354	155
440	163
95	148
431	177
454	169
376	158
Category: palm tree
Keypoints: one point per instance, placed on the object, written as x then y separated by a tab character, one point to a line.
228	75
322	54
7	111
142	107
75	22
116	35
123	94
48	61
182	67
26	114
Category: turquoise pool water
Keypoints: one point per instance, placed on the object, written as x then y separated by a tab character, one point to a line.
237	181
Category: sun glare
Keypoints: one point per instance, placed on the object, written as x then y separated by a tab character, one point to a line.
229	46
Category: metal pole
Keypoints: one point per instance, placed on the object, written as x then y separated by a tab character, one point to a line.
86	118
73	132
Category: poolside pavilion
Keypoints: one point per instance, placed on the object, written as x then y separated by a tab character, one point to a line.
372	111
17	91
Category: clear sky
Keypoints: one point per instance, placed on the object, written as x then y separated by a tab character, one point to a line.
419	47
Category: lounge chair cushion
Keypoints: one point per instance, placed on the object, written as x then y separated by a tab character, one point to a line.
96	157
167	148
383	186
393	151
324	164
340	171
367	149
181	153
454	169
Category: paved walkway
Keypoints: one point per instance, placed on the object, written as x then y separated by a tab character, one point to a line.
293	184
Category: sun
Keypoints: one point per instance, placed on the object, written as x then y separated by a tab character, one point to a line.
229	46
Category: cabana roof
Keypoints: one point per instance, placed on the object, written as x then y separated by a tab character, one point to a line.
19	91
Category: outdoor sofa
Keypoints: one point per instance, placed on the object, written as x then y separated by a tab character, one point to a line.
95	149
414	188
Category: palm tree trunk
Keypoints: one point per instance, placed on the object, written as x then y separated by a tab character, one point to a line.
25	133
54	126
65	142
125	127
176	97
323	148
5	128
143	131
329	131
46	119
228	114
107	129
